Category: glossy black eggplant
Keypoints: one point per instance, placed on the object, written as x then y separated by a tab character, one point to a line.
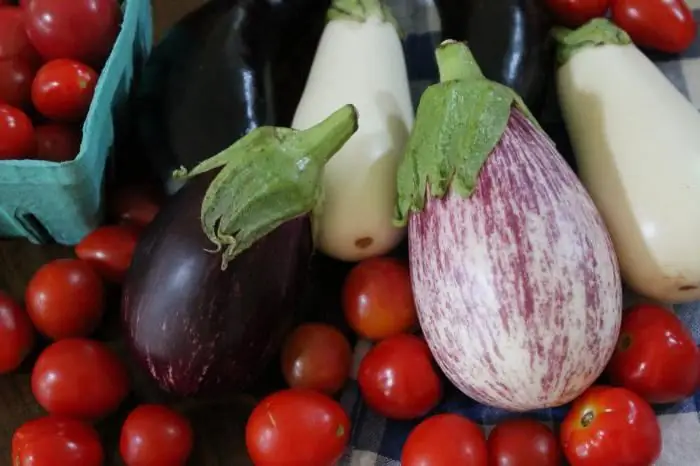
209	81
509	39
198	329
218	277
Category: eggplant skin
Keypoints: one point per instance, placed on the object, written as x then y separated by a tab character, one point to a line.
517	287
199	330
510	40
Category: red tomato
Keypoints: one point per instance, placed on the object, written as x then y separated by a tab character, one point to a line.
398	380
297	427
317	357
65	299
16	133
62	90
656	356
574	13
135	205
155	435
377	298
610	426
665	25
79	378
57	142
16	76
83	30
445	439
109	250
13	36
56	441
523	442
16	334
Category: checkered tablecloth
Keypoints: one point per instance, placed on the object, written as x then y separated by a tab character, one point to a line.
378	441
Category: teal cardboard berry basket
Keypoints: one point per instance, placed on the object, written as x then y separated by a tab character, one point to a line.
62	202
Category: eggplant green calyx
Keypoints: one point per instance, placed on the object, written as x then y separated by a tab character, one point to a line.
594	33
268	177
458	124
361	11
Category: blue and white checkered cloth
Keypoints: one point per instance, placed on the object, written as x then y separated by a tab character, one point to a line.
378	441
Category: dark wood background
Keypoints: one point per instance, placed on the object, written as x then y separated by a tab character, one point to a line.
219	424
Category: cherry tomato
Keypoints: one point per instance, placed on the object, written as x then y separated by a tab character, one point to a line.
79	378
57	142
397	378
610	426
574	13
318	357
297	427
109	250
523	442
83	30
656	356
62	90
65	299
135	205
56	441
13	36
16	76
445	439
16	334
16	133
665	25
155	435
377	298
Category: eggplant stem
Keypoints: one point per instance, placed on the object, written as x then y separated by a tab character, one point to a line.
361	11
456	62
268	177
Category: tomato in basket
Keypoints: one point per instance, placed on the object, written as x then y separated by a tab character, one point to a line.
63	89
16	133
57	142
13	36
83	30
16	75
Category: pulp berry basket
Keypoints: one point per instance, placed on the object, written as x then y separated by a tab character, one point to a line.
48	201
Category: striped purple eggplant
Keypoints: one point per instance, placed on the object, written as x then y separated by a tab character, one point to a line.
514	275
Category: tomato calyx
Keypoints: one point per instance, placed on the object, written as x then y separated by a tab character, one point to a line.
625	342
587	417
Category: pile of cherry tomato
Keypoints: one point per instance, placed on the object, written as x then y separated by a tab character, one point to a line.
78	380
656	361
51	52
664	25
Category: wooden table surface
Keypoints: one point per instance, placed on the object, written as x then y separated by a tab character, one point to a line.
218	425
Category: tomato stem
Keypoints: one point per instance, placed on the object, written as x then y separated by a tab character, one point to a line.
587	418
625	342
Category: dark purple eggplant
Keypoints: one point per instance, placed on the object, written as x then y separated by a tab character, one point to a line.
510	40
218	278
209	81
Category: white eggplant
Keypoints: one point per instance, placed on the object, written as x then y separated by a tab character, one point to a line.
636	140
514	275
359	61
